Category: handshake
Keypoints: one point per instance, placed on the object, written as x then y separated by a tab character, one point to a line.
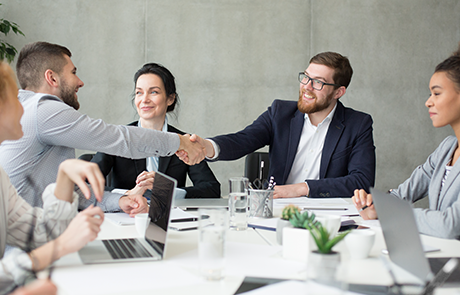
193	149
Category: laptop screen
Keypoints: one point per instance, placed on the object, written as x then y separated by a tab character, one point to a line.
161	200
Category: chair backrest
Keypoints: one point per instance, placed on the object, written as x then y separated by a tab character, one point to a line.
86	157
252	166
89	157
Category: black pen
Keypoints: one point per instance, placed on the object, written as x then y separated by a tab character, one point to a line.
365	207
185	219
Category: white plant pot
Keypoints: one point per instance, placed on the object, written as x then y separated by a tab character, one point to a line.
297	244
279	229
323	267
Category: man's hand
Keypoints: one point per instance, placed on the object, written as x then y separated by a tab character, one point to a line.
81	230
290	190
361	199
190	152
133	204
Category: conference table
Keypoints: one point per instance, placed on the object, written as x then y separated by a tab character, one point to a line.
249	253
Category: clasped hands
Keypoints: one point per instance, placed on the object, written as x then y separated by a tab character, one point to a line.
193	149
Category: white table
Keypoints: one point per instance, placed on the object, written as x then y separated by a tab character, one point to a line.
249	253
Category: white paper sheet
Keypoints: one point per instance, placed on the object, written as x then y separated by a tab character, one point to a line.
128	279
120	218
335	206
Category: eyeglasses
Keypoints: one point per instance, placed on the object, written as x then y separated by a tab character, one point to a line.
315	83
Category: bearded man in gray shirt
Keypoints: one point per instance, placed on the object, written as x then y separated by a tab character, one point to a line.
53	129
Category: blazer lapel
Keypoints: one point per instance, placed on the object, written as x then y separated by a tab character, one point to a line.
438	176
163	164
332	138
294	137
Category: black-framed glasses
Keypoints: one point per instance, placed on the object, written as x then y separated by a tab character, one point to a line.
315	83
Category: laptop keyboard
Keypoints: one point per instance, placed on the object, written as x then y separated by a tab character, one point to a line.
126	248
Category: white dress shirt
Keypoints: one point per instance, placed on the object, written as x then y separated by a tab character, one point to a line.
307	160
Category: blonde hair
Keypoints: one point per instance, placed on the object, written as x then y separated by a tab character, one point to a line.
6	76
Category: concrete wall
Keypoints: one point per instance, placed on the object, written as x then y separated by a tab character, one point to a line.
231	58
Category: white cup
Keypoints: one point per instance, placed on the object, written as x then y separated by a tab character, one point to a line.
330	222
359	243
142	221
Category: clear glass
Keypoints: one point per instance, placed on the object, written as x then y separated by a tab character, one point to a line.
238	203
213	224
261	203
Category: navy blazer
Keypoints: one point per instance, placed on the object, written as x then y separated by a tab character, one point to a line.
347	160
125	172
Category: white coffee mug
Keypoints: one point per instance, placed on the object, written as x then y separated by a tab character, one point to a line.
359	243
142	221
330	222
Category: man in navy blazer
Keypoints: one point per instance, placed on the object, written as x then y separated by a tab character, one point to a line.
318	147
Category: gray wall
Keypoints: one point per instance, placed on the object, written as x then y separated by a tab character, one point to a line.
232	58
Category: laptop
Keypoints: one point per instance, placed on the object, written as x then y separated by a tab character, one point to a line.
403	239
150	248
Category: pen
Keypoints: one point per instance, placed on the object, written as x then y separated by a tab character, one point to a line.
185	219
365	207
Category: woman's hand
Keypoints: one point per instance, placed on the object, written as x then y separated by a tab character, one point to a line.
37	287
82	229
78	172
361	199
133	204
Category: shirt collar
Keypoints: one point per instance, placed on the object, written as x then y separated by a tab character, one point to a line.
165	125
326	120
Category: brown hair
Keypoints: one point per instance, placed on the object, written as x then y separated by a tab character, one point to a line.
341	65
451	66
35	58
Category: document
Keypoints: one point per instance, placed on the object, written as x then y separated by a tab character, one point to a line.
335	206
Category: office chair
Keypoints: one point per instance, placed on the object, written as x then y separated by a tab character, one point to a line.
252	166
88	157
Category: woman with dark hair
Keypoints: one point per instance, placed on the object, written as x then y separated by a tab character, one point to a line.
439	176
154	96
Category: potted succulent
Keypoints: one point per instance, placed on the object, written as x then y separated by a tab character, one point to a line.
283	222
297	242
323	263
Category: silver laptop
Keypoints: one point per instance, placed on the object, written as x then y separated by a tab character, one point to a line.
138	249
401	234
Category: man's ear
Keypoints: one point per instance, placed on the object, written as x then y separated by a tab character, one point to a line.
51	78
340	92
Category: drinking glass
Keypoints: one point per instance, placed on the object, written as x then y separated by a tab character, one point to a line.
238	203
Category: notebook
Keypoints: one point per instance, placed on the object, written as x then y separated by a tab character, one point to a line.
151	247
402	237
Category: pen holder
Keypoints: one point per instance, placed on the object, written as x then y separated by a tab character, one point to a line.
260	203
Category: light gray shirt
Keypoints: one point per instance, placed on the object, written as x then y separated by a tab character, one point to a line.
442	218
16	219
52	132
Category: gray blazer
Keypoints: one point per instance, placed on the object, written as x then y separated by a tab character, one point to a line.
442	219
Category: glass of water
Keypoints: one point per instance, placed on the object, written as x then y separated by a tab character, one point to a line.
213	224
238	203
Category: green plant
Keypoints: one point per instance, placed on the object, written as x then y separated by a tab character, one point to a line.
288	211
323	238
303	220
7	51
